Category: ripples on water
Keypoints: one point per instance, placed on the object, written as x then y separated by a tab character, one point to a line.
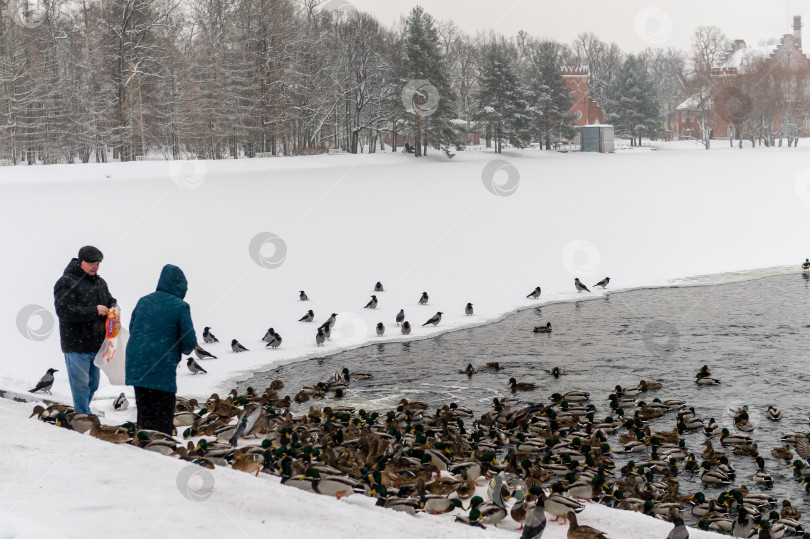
754	335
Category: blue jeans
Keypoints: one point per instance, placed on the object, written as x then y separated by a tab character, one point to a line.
83	377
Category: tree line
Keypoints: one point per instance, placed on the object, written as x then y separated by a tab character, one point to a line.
89	80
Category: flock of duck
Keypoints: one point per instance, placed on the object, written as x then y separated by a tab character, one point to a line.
513	462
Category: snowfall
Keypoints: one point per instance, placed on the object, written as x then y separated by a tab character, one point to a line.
250	233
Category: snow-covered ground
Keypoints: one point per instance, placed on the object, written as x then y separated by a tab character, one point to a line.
333	226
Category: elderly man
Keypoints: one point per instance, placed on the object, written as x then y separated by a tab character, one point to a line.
82	302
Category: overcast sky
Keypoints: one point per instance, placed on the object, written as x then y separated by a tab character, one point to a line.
632	24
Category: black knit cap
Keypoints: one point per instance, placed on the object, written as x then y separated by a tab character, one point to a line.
90	254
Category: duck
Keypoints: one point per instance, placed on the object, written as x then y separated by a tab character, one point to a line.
108	433
762	477
746	450
587	490
713	477
412	405
704	380
742	422
783	453
710	428
626	391
800	469
543	329
514	385
355	375
556	372
648	386
488	513
571	396
560	505
710	454
727	438
788	511
576	531
73	421
774	414
494	365
621	402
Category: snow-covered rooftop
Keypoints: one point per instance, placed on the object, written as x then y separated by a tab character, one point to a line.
743	57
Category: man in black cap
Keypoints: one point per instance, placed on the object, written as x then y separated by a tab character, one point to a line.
82	303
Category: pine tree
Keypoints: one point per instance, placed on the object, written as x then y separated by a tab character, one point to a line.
429	98
635	110
502	99
550	99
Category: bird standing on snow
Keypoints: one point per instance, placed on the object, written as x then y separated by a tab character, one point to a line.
468	310
236	347
202	354
378	287
380	329
194	367
331	321
435	319
45	383
535	523
535	293
309	317
121	402
406	328
603	283
302	295
580	287
371	304
208	337
320	337
806	265
268	337
275	342
575	531
400	316
424	299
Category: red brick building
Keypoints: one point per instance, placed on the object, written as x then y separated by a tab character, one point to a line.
584	109
747	82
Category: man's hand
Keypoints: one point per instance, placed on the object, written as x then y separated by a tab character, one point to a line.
103	310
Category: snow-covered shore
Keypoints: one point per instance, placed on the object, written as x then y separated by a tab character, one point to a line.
644	218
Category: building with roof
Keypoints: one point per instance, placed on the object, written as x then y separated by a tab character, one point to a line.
584	109
761	92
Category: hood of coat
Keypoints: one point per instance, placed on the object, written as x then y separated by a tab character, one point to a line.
74	268
173	281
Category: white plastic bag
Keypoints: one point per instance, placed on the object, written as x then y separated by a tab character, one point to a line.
112	357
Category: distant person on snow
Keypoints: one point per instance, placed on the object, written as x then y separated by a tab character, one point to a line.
159	332
82	302
407	148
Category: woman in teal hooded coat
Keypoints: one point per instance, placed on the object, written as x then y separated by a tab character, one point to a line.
160	331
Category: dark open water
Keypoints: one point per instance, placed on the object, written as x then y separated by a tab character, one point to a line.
754	335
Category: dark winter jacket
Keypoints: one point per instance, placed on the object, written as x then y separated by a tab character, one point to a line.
76	297
160	329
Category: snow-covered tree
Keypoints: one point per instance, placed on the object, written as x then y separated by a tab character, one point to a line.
502	100
428	97
635	110
550	100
